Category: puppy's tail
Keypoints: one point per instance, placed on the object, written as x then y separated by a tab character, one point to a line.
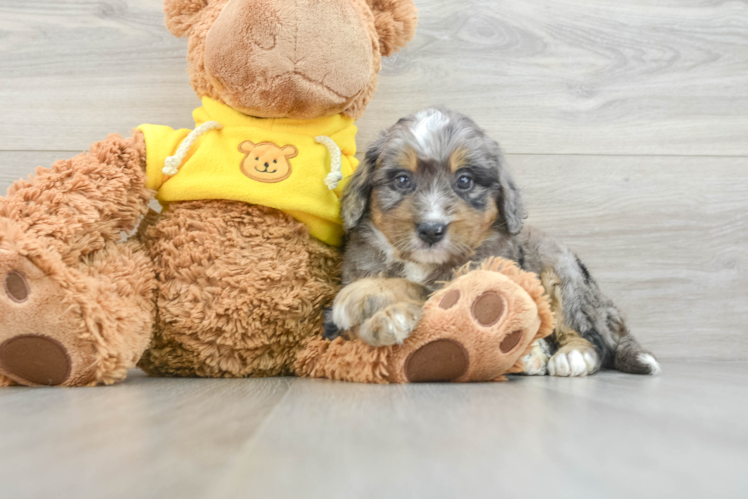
631	357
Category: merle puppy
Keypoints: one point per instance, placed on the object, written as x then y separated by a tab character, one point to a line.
434	194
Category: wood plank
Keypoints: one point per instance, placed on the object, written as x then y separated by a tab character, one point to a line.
610	435
548	76
146	437
74	71
16	165
666	238
580	76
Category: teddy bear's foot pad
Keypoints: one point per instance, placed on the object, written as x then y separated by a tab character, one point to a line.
39	343
16	286
443	360
35	359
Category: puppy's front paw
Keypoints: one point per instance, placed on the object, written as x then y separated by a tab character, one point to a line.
359	302
355	304
391	325
536	363
569	361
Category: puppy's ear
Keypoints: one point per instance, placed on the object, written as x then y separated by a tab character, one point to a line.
395	21
182	14
358	190
509	200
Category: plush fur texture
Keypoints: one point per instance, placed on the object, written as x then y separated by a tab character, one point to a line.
240	287
79	205
526	310
60	228
101	309
214	288
290	58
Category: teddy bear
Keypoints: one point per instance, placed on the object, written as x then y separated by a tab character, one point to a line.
231	278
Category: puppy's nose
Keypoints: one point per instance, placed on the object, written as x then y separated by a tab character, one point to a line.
431	232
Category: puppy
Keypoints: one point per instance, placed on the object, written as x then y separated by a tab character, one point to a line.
434	194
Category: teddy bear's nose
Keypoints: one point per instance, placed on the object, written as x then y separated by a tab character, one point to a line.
266	164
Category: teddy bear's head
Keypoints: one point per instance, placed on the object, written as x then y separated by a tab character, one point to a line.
290	58
267	162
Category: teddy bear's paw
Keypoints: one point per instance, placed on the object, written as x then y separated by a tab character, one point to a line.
391	325
573	361
5	381
441	360
32	325
536	362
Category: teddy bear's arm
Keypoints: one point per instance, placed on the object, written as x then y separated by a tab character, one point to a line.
81	204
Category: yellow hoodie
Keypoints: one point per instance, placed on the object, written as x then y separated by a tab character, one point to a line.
281	163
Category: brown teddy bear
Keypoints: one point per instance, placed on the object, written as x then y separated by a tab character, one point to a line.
231	278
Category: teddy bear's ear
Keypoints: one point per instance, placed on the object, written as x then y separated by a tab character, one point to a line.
181	14
395	21
289	151
246	146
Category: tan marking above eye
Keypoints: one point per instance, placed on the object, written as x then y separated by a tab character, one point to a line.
457	159
510	341
488	308
408	160
450	299
16	286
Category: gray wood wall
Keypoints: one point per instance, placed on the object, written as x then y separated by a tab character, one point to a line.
626	124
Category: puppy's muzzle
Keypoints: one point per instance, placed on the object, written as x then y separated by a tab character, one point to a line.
431	232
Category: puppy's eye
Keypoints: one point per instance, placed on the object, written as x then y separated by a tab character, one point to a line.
402	182
275	161
464	182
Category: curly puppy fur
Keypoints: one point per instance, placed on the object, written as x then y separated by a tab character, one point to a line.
435	194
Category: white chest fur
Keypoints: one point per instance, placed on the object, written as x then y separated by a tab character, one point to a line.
418	273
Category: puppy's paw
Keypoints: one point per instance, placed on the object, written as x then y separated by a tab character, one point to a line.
355	304
536	363
573	361
391	325
361	300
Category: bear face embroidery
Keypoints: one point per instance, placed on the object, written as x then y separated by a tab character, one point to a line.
267	162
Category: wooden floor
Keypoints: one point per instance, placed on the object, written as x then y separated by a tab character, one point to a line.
612	435
626	123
